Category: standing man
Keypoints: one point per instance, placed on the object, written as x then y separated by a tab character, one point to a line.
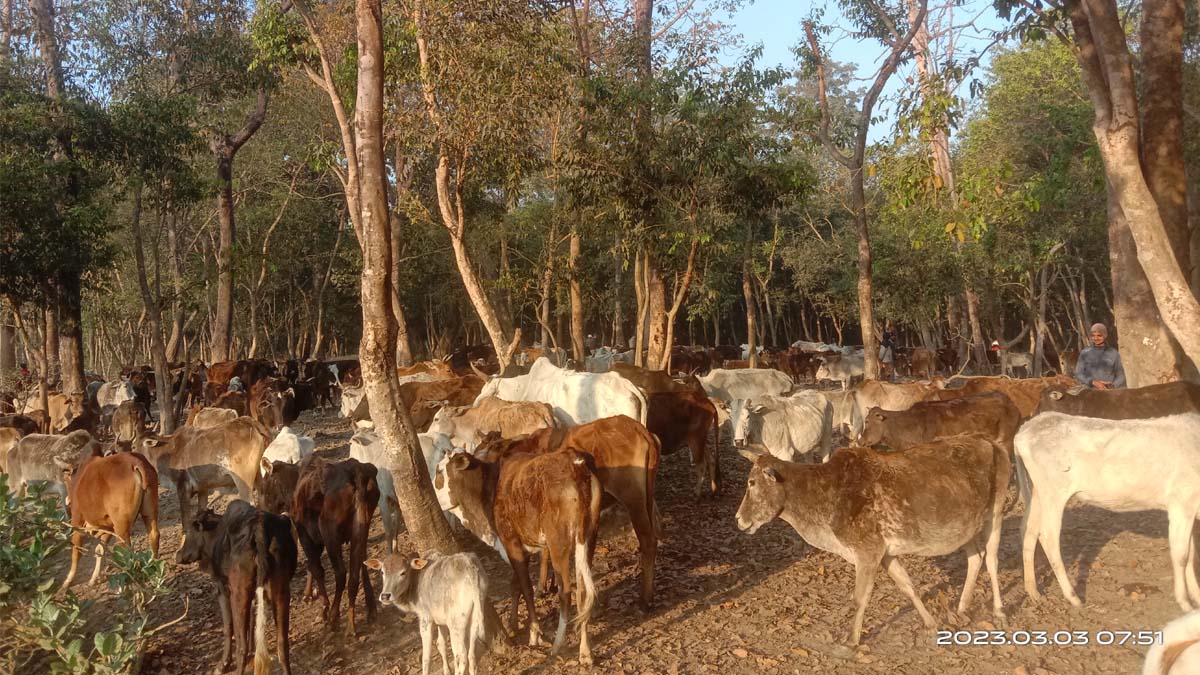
1099	366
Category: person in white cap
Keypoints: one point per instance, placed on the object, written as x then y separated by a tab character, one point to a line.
1099	366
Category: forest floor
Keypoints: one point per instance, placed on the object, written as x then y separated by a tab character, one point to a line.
726	602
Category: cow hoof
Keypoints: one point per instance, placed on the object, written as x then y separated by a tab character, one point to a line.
585	660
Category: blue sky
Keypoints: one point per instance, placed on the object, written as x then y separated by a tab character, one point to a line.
776	25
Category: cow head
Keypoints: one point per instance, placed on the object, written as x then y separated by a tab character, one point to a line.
277	486
873	427
198	536
765	493
461	486
400	576
740	413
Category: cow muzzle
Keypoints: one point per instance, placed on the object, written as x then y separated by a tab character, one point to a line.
739	442
385	598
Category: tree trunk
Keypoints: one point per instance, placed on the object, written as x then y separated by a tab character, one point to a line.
656	301
978	348
8	346
643	305
681	291
53	366
866	305
751	310
576	294
162	370
176	339
70	336
1108	72
224	148
414	491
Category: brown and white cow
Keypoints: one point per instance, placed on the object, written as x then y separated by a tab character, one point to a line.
332	507
871	507
625	458
548	503
466	426
62	409
107	495
198	461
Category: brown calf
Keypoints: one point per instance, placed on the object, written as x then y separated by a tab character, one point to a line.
871	507
333	506
423	399
682	419
107	495
549	503
990	415
250	554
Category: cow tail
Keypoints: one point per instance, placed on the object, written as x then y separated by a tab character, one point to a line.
262	660
583	568
143	484
644	411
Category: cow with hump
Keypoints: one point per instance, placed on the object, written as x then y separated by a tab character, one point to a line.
449	596
575	397
548	503
467	426
251	556
40	458
871	507
790	427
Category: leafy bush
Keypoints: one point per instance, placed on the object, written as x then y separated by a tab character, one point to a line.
45	632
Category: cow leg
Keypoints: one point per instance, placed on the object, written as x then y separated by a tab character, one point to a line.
100	543
334	550
281	598
991	552
242	623
865	569
520	565
561	557
457	647
316	572
643	527
544	580
974	562
1179	536
427	629
1051	531
369	596
896	571
226	627
76	551
1192	586
1030	528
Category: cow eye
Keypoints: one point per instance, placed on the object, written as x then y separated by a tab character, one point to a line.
751	482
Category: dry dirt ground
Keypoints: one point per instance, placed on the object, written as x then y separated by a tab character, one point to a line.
730	603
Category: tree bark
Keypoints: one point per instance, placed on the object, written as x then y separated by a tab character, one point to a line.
751	310
978	348
656	301
576	296
162	370
414	491
681	290
8	346
224	147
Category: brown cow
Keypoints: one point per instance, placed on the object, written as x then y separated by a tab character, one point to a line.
107	494
922	363
62	410
991	415
873	393
872	507
278	486
128	422
207	418
626	458
250	554
8	440
233	400
1156	400
272	402
799	363
681	419
654	381
198	461
423	399
332	507
437	370
548	503
25	424
1025	394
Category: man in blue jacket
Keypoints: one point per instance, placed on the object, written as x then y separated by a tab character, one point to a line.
1099	366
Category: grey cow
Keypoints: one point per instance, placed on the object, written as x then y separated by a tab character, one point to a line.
448	594
39	458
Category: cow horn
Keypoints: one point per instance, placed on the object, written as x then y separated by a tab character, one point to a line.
479	372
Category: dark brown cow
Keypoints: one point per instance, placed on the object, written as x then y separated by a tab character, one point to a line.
800	364
548	503
625	457
947	359
1156	400
8	403
278	486
423	399
871	507
332	507
26	424
654	381
1025	394
249	372
991	415
250	554
681	419
272	402
107	495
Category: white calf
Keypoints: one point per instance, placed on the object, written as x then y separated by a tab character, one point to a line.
289	447
1120	465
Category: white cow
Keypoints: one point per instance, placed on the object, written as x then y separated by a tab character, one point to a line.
1120	465
351	397
790	427
804	345
289	447
847	415
575	397
730	385
842	369
366	446
112	394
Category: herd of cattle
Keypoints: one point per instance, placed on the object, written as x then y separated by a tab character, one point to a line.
526	462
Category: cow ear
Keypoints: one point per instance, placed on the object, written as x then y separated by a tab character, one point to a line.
771	475
757	408
749	454
291	391
266	466
418	563
374	564
460	461
1056	396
